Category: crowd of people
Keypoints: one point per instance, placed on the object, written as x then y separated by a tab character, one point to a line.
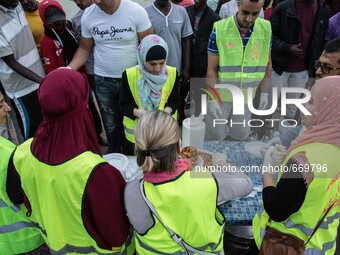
58	195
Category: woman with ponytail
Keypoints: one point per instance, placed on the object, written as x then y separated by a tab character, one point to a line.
185	201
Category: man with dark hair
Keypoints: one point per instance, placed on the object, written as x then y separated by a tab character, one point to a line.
76	24
329	61
299	28
239	52
230	8
112	28
333	46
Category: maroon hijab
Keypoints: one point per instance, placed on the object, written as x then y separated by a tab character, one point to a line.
67	127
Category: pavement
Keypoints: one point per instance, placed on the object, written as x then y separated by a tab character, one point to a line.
71	8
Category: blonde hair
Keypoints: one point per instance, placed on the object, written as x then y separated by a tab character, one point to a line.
157	135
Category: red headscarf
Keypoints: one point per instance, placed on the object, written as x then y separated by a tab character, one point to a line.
326	124
67	127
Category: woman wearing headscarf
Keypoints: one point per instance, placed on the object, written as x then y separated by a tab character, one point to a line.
72	194
186	201
17	235
149	85
309	181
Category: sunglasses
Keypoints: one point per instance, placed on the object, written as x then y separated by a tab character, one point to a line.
325	69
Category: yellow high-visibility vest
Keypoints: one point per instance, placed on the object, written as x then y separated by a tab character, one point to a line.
187	206
321	193
133	75
62	228
17	233
244	68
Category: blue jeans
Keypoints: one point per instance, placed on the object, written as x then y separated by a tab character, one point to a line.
107	90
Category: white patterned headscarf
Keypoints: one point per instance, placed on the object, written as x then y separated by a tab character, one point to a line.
150	85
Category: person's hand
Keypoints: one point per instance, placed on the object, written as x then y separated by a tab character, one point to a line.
218	157
295	51
168	110
274	157
65	67
275	140
279	154
140	113
263	101
268	164
214	109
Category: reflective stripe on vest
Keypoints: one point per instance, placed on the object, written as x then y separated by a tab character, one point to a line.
308	231
64	227
247	69
91	250
15	208
154	251
17	234
183	190
325	247
321	193
262	228
150	249
16	226
133	75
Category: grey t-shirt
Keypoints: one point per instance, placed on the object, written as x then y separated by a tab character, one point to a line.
172	28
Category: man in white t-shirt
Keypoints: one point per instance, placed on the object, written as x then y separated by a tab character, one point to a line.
113	28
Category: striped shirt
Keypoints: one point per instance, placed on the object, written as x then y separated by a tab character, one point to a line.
16	38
